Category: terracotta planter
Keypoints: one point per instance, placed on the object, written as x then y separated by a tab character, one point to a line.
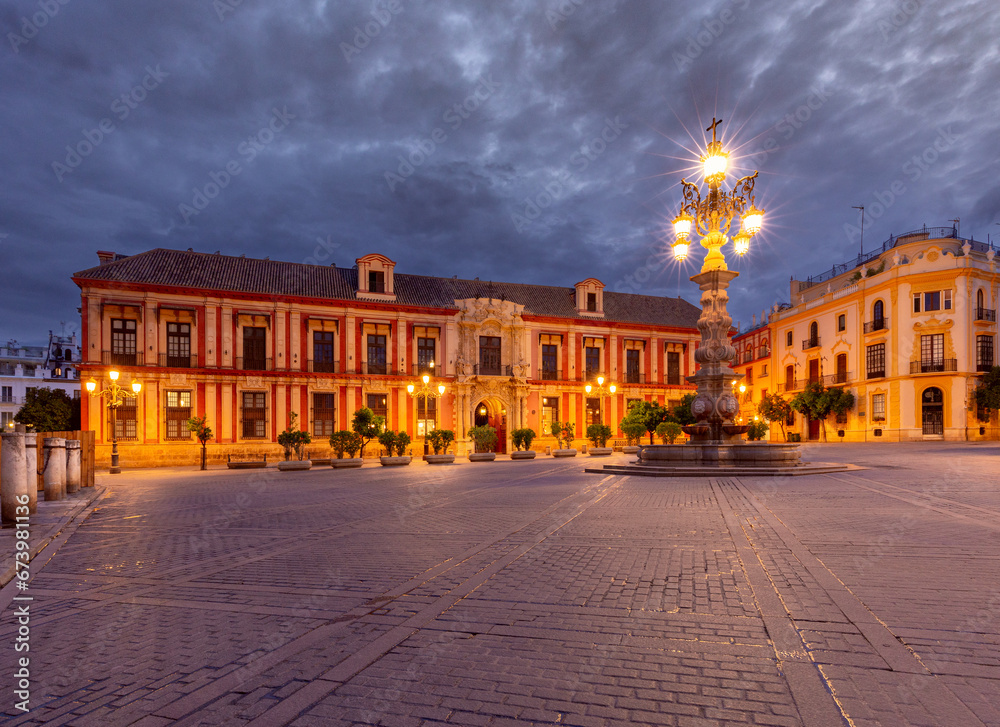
563	452
482	456
600	451
294	465
346	463
395	461
439	458
523	454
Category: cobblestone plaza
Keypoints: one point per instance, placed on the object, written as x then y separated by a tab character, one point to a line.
518	593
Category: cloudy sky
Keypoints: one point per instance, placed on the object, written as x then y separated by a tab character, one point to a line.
538	141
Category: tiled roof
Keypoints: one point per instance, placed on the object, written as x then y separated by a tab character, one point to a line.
273	277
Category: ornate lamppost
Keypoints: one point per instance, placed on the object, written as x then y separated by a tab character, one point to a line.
114	394
601	393
425	391
711	216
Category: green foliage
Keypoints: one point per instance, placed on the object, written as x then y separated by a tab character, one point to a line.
757	431
775	409
856	277
668	432
598	434
873	271
293	439
564	434
440	440
682	412
345	441
199	425
485	438
522	438
387	439
987	392
633	429
817	402
651	414
402	442
49	410
366	425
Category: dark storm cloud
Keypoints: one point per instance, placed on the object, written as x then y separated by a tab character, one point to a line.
522	141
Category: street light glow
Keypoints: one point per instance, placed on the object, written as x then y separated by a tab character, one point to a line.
113	375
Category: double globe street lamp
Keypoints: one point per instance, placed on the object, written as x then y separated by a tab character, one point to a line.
115	395
712	217
426	391
601	393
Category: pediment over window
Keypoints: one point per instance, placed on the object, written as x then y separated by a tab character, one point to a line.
375	277
590	298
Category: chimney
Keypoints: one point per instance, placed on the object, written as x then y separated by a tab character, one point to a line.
105	257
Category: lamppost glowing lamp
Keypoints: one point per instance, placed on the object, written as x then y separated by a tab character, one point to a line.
425	391
601	393
114	394
713	217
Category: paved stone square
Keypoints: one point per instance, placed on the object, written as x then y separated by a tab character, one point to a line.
517	593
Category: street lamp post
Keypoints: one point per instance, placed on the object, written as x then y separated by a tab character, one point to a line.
425	391
114	394
601	393
711	216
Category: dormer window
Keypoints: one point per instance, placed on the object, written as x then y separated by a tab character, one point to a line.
375	277
590	298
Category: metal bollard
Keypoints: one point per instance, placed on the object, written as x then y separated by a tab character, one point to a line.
13	481
72	466
31	469
54	468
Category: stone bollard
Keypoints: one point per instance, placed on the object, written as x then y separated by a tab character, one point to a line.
13	481
72	466
31	469
54	468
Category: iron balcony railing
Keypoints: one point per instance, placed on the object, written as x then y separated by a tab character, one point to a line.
419	369
591	376
876	373
984	367
246	363
986	314
177	362
879	324
810	343
492	370
551	374
115	358
634	377
375	368
838	379
324	367
930	367
11	400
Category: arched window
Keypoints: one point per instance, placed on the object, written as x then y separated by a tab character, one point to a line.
813	330
878	312
980	299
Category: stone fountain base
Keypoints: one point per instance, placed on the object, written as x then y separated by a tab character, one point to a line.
720	458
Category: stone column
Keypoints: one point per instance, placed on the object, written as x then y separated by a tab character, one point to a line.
31	469
72	465
13	481
54	467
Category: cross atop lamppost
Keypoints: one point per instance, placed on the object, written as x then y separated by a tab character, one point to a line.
114	394
712	216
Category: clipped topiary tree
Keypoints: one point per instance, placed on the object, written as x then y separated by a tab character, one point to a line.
367	425
440	440
345	441
522	438
757	431
387	439
485	438
598	434
774	408
199	425
402	442
668	431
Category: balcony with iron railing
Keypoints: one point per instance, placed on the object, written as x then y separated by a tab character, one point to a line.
549	374
492	370
879	324
810	343
933	366
247	363
634	377
986	314
177	362
11	399
838	379
115	358
430	369
324	367
375	368
983	367
590	376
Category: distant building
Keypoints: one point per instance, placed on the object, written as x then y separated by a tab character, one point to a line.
23	368
246	341
753	360
909	328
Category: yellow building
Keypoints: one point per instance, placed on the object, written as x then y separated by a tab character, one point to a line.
753	361
246	342
907	328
